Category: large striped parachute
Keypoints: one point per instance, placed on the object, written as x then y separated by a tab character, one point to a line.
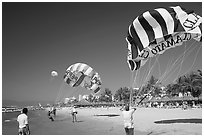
154	32
81	74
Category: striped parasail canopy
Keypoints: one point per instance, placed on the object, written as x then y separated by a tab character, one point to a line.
156	31
81	74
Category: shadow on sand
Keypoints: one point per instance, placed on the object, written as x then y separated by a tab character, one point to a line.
108	115
79	121
193	120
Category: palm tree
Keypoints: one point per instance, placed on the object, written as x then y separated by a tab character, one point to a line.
180	86
200	73
171	90
106	96
193	83
153	85
122	94
152	81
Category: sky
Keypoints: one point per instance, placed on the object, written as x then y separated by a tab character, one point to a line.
40	37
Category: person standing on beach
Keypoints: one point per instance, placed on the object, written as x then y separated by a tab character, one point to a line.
50	114
54	111
128	119
23	123
74	113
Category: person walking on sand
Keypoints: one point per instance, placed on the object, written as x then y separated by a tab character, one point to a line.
23	123
74	113
50	114
128	119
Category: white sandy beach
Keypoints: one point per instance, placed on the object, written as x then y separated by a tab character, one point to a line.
103	121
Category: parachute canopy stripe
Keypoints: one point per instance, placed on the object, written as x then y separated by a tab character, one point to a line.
82	66
141	32
154	25
156	15
164	15
134	38
88	71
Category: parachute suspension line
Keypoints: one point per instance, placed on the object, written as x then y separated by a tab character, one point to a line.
166	70
159	67
143	80
173	64
191	65
59	92
139	78
177	60
196	55
151	69
131	86
74	90
135	78
148	74
140	84
181	63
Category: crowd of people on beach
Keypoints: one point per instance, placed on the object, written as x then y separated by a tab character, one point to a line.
171	105
52	113
127	112
126	109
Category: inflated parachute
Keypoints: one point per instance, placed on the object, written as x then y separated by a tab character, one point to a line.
154	32
80	74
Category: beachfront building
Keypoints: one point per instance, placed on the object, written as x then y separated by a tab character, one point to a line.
66	100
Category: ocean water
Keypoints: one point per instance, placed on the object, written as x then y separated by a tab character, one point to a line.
10	124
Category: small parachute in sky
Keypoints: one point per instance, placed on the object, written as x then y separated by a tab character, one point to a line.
54	73
81	74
